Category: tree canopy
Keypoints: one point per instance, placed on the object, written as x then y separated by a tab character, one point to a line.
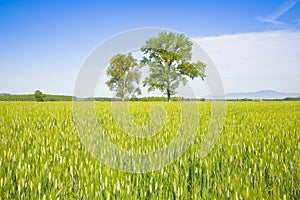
124	75
39	96
169	59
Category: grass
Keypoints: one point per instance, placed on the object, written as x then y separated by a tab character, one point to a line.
257	155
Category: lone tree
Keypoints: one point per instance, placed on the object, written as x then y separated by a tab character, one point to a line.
39	96
168	57
124	75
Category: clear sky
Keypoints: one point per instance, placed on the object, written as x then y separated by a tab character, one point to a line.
44	43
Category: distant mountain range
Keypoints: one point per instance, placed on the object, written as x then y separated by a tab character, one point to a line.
262	94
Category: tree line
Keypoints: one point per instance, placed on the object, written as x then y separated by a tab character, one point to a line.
33	97
50	97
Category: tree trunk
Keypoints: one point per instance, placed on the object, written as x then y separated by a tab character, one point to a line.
123	94
169	84
124	89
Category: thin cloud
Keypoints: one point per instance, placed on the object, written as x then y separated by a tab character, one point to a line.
256	61
273	17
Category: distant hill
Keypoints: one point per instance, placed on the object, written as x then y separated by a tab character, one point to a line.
262	94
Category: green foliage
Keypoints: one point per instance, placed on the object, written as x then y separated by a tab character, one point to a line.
256	157
50	97
19	97
39	96
31	97
124	75
292	98
168	57
157	98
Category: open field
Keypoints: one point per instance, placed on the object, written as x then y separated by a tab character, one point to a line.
257	155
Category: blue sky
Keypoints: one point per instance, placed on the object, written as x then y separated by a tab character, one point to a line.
44	43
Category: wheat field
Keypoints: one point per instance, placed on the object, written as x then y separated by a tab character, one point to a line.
257	155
